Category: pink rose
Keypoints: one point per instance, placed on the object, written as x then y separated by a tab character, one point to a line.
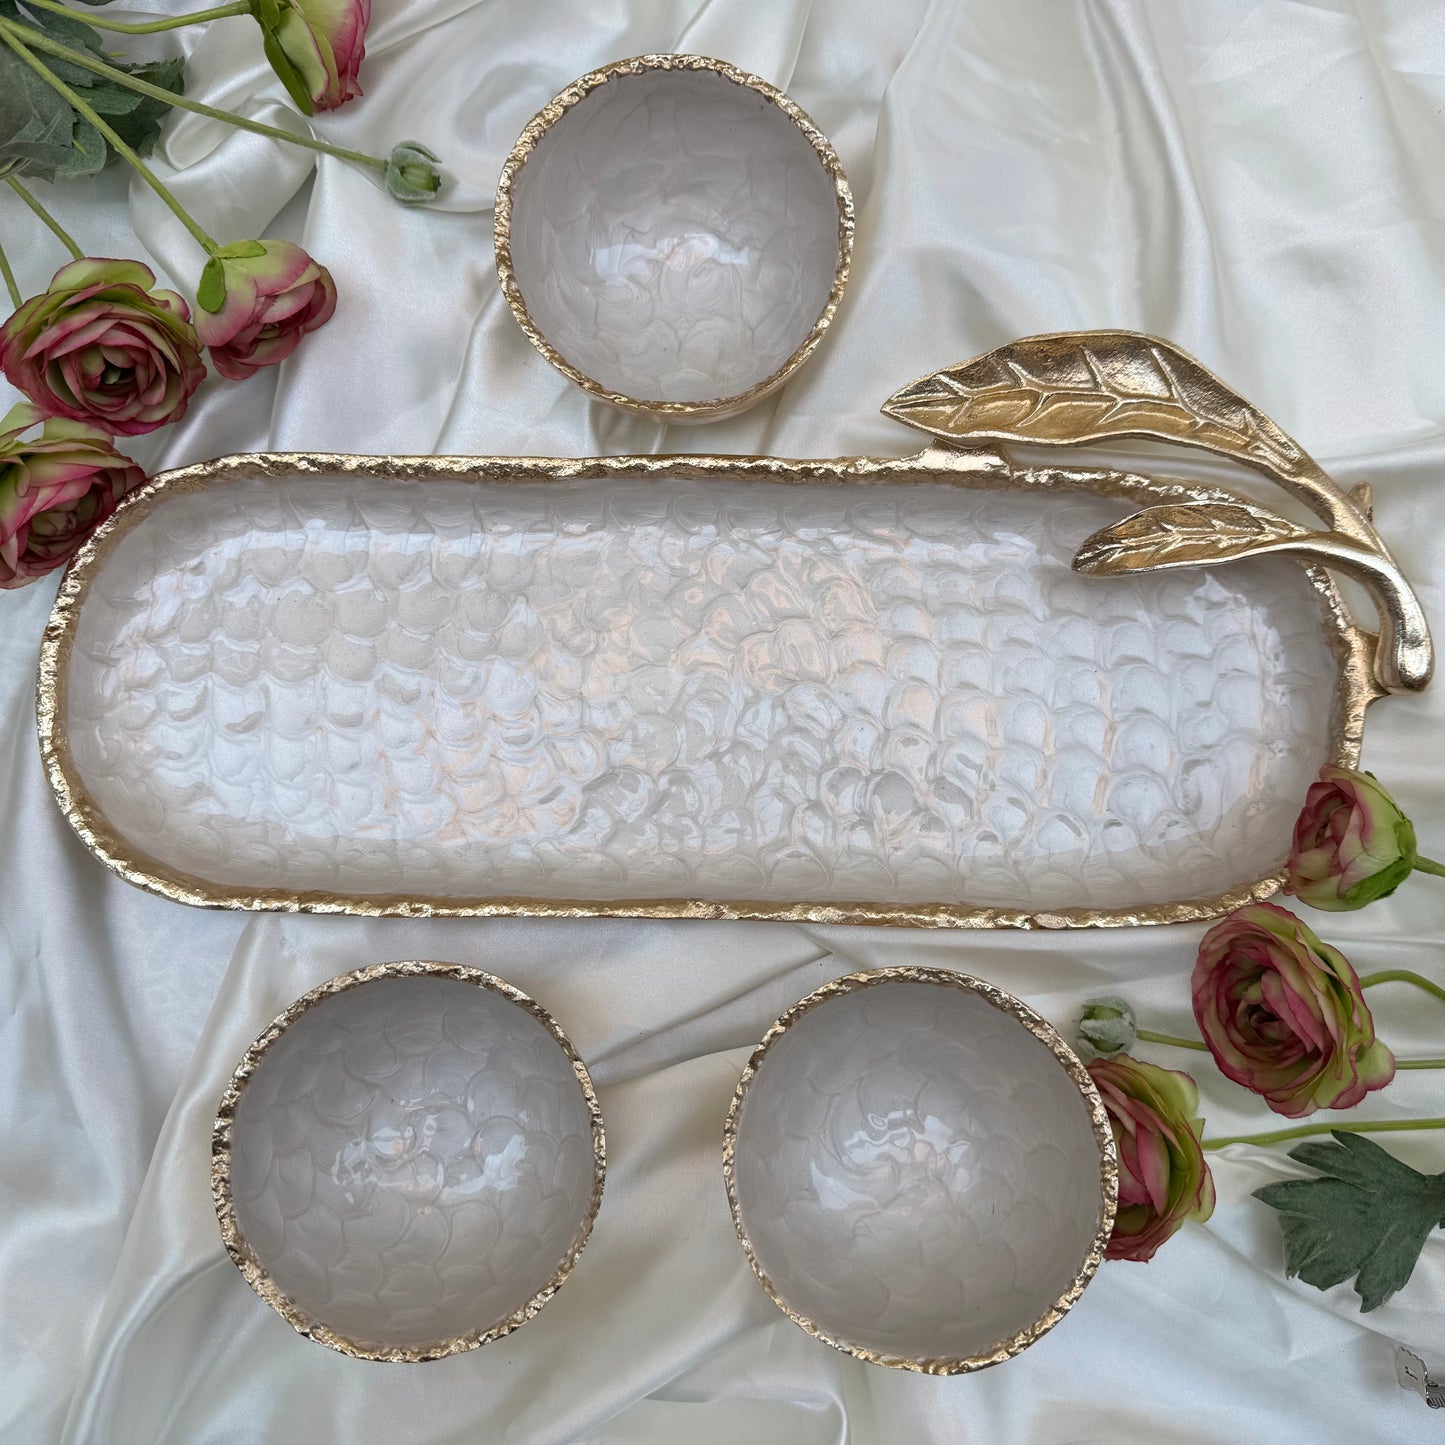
1352	844
55	490
1163	1178
257	299
1283	1014
102	345
316	47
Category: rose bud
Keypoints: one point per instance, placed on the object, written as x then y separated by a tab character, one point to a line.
413	176
1352	844
1108	1026
316	47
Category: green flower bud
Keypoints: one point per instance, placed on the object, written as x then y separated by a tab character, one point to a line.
413	175
1108	1026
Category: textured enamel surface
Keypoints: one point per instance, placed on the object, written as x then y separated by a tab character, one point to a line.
674	236
917	1174
412	1161
671	688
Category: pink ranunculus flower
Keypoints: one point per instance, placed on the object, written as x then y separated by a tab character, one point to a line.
55	490
322	44
1163	1176
257	299
1284	1015
102	344
1352	844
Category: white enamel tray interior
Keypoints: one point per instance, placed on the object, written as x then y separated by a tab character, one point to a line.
460	692
917	1174
675	236
412	1164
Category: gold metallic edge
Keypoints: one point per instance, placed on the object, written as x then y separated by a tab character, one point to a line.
543	121
239	1248
938	464
1068	1060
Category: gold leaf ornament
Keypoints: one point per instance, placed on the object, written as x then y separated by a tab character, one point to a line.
1079	387
1183	536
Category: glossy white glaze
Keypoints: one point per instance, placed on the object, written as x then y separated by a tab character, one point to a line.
713	689
674	236
412	1161
917	1173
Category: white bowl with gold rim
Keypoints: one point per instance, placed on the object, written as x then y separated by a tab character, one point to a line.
920	1170
674	235
408	1161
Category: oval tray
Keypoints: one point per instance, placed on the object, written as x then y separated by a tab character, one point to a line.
855	690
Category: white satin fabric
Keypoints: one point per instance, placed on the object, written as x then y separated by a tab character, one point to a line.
1263	183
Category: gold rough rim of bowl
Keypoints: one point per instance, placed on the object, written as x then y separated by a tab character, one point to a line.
1068	1060
717	407
239	1248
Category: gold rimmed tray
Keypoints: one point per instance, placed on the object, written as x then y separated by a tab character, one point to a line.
867	690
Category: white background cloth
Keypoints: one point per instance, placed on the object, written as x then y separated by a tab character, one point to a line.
1263	183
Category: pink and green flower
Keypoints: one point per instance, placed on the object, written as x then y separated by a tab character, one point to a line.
1283	1014
104	345
316	47
1163	1177
55	490
257	299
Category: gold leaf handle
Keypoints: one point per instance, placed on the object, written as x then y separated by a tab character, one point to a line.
1091	386
1182	536
1191	535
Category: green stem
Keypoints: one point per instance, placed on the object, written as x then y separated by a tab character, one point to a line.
1148	1036
1402	975
10	285
1420	1063
82	107
60	232
142	27
181	102
1429	865
1304	1131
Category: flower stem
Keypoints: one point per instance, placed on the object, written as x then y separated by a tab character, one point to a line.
143	27
1304	1131
82	107
1148	1036
1402	975
10	285
182	102
1429	865
1420	1063
60	232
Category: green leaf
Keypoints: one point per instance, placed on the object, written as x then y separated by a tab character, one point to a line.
66	29
283	65
211	293
35	122
1369	1217
241	250
87	152
108	98
140	127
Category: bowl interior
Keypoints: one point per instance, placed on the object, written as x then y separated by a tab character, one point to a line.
412	1161
675	236
917	1173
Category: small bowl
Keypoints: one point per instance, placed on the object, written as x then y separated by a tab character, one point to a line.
407	1163
920	1170
674	234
